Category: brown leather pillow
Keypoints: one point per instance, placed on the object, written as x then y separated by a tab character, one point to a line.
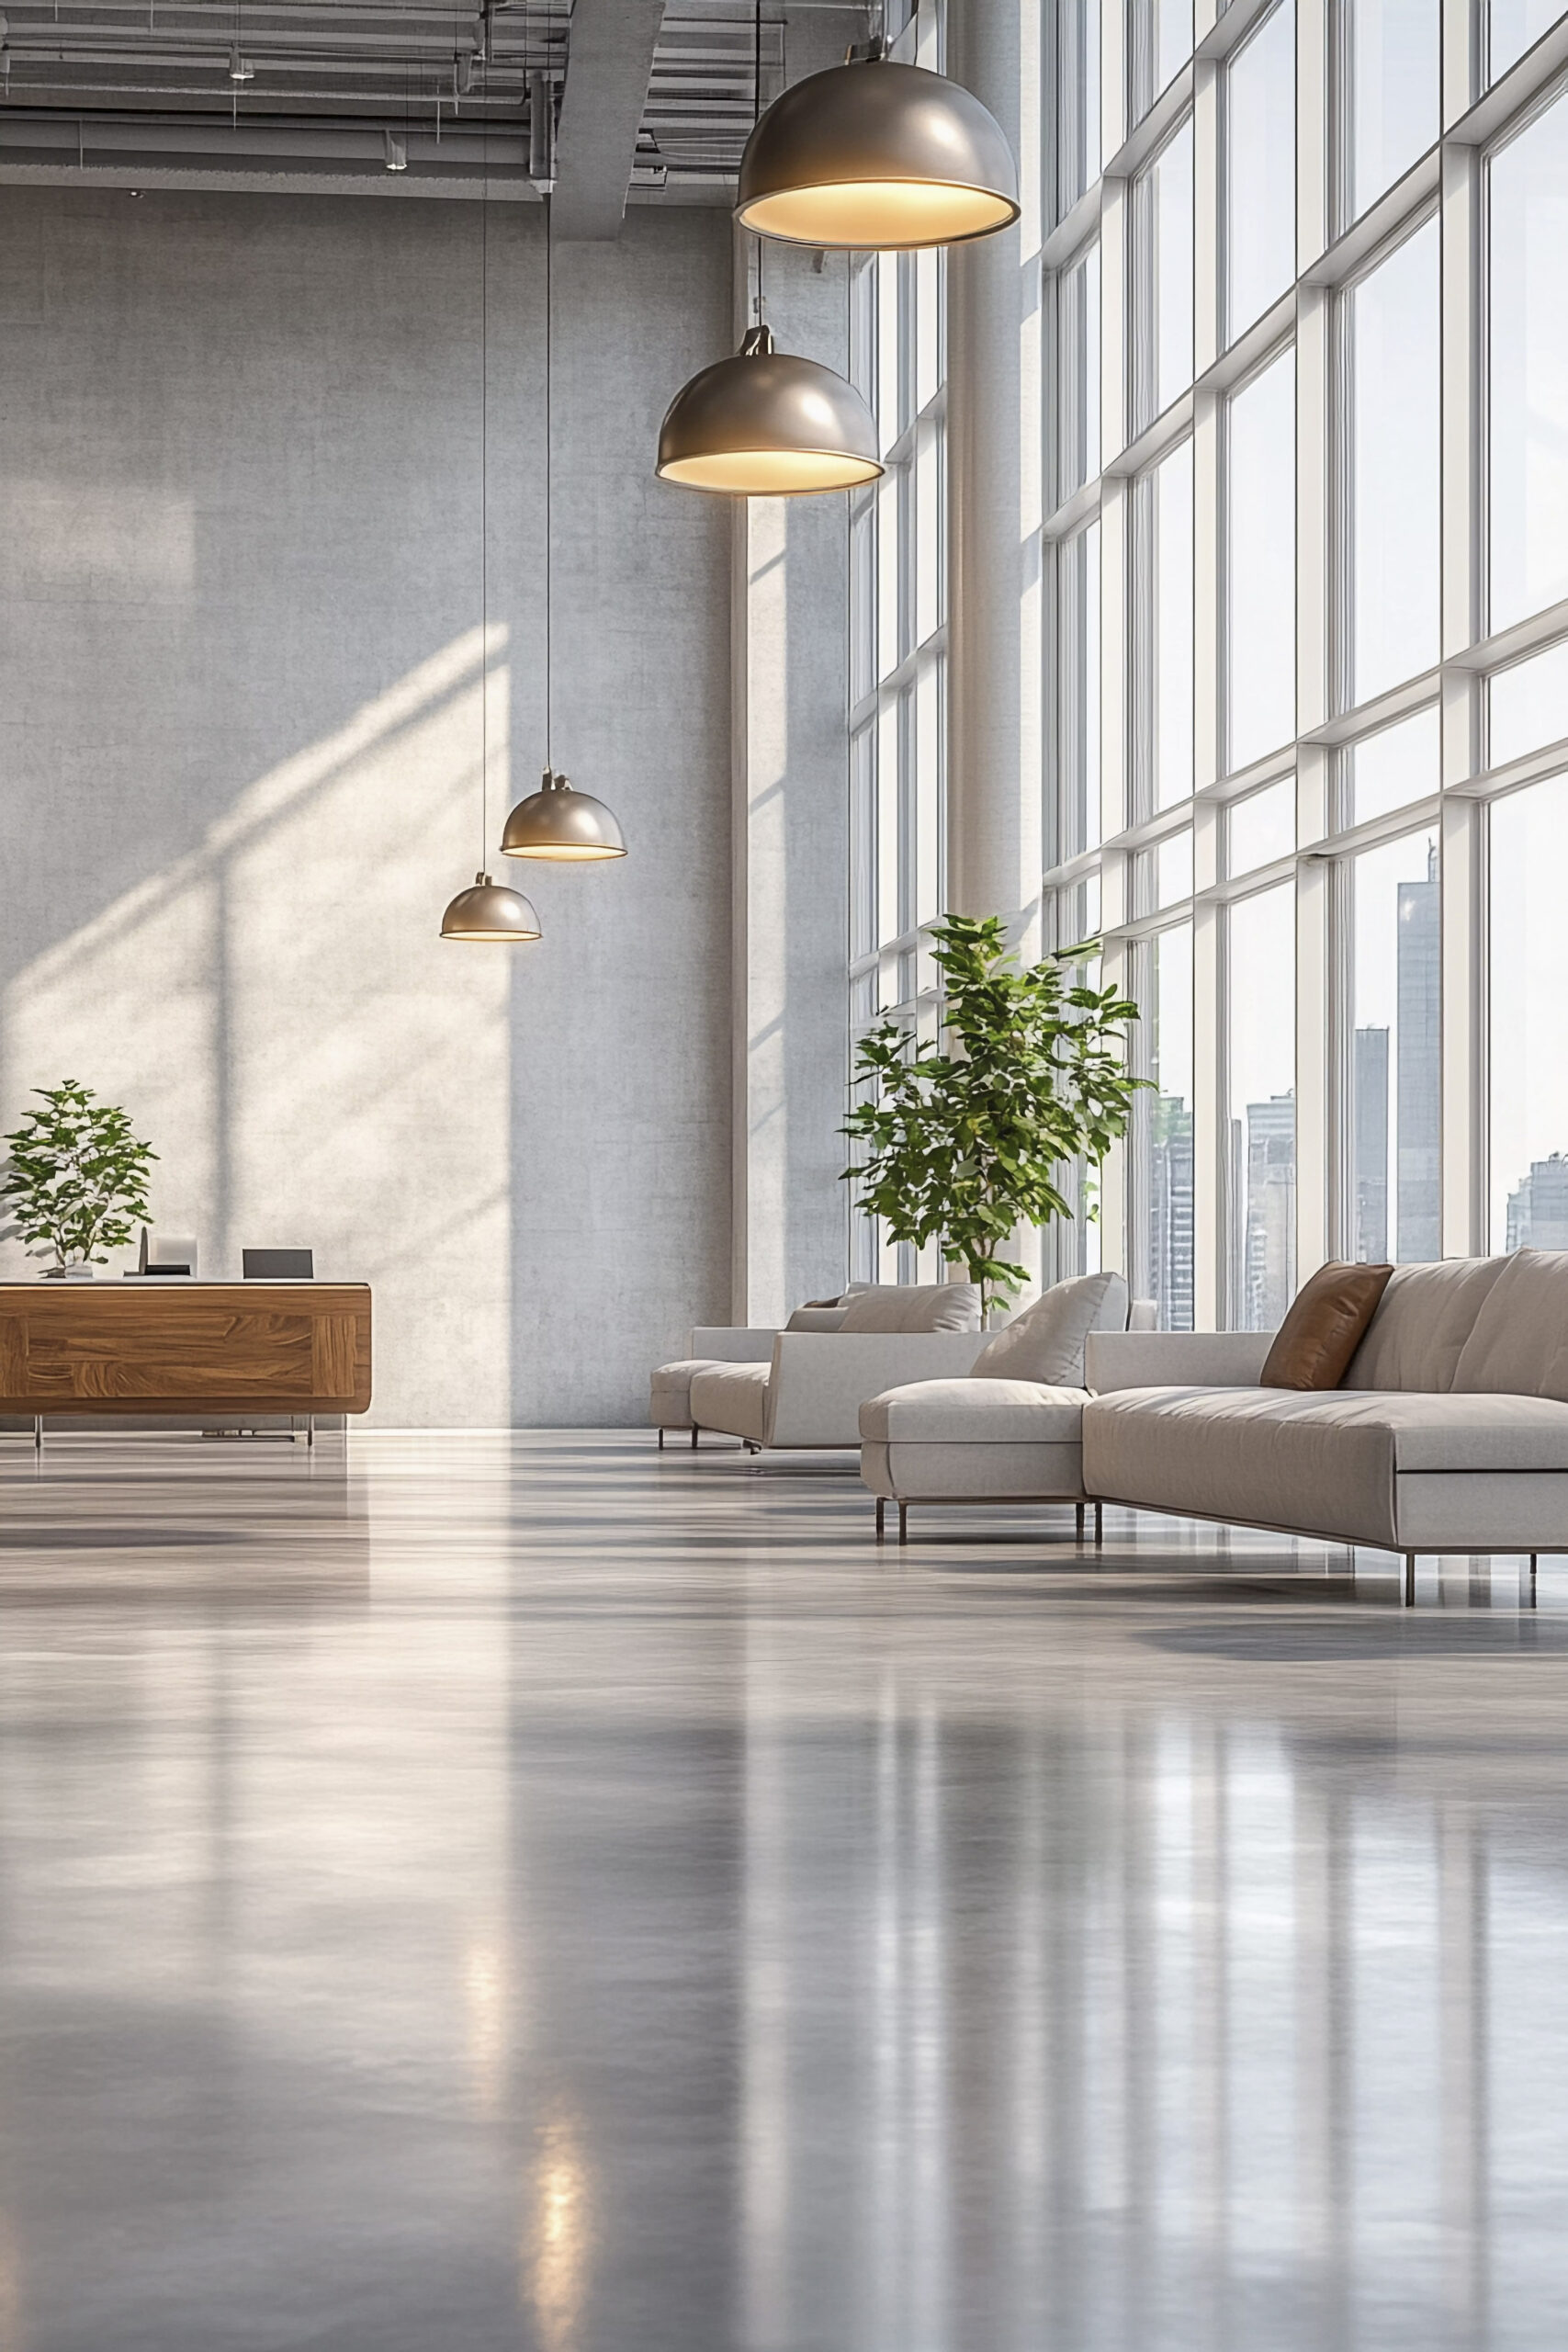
1314	1345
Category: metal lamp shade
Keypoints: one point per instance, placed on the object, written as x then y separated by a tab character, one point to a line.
489	911
558	822
767	425
877	156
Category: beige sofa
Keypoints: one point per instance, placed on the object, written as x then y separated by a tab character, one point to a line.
804	1385
1011	1430
1449	1433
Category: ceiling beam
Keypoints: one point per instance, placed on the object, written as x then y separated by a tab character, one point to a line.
609	63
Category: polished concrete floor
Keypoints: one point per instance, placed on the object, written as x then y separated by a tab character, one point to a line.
472	1893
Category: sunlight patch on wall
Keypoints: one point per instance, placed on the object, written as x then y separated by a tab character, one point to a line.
312	1063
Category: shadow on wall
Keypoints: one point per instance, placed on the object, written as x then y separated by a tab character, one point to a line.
310	1060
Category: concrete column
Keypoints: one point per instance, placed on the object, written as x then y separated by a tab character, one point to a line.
994	588
791	846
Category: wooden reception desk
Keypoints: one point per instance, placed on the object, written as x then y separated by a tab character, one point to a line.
174	1346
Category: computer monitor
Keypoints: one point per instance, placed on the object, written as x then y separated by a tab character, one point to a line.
278	1265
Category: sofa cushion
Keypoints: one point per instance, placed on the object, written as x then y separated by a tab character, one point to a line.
969	1412
986	1474
1519	1343
670	1392
1322	1326
1427	1314
1324	1462
733	1397
915	1307
1047	1341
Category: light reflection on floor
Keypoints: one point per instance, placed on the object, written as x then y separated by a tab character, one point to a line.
463	1892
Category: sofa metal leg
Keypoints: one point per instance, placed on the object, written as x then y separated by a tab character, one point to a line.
695	1433
903	1522
1098	1525
1410	1579
37	1432
881	1518
1077	1517
1532	1579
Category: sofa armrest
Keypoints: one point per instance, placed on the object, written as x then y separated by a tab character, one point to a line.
721	1343
820	1379
1174	1360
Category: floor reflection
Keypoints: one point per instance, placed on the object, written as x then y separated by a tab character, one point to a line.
530	1893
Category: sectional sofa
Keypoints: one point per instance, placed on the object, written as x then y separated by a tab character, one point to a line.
1449	1432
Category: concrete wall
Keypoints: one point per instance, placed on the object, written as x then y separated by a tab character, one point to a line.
240	666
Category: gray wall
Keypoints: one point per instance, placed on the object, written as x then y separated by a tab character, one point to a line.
240	664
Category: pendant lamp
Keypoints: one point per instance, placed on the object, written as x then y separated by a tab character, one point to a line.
557	822
876	155
768	425
485	911
490	911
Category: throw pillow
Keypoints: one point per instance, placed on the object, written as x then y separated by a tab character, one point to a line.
826	1316
1322	1328
1047	1341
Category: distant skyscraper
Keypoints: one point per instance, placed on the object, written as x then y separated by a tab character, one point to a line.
1170	1211
1538	1212
1371	1146
1418	1099
1269	1268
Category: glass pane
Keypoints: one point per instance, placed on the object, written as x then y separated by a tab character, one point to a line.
1261	564
1397	1077
1261	828
1516	25
1162	218
1173	868
1078	100
1392	104
863	844
1161	37
1073	824
1394	463
1260	170
1163	587
1078	374
1527	706
1391	769
1527	186
1167	1275
1530	1019
1261	990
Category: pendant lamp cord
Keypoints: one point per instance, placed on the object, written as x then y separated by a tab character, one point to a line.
756	118
549	470
484	512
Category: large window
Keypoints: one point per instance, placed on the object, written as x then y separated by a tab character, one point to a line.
1298	375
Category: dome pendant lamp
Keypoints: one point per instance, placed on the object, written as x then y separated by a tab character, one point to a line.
874	155
766	424
487	911
556	822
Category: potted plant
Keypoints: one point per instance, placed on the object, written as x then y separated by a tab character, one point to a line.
77	1182
967	1136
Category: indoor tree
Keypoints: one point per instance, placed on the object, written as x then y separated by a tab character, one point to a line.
967	1136
76	1182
